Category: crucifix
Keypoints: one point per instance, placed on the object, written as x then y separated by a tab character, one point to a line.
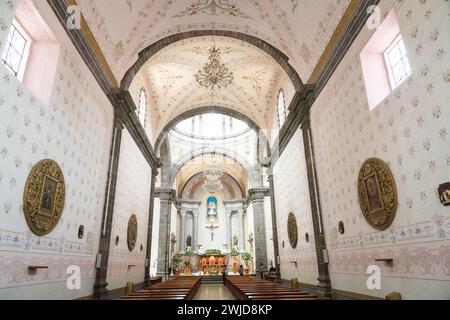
211	228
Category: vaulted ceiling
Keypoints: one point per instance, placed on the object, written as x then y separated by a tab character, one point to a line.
233	170
301	29
170	80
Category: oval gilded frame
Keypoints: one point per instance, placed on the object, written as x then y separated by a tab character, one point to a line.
292	229
377	193
132	232
44	197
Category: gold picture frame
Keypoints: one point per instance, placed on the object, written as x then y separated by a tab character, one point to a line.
44	197
377	193
132	232
292	230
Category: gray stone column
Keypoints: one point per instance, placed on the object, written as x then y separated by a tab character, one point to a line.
148	254
241	231
319	234
183	231
165	197
257	198
195	230
276	248
108	211
228	229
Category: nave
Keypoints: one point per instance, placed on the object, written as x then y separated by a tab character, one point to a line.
148	144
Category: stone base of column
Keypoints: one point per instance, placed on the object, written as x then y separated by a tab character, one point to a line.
100	291
324	288
278	277
163	275
147	282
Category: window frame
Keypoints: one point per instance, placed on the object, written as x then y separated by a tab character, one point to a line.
142	108
281	117
23	55
389	65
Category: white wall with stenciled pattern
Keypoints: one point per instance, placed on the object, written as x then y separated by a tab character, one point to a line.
292	195
410	131
132	197
75	130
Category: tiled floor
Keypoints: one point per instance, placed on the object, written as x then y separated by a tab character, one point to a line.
214	292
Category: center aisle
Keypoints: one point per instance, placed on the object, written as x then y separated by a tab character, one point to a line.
214	292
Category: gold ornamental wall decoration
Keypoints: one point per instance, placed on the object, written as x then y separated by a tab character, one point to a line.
292	230
377	193
132	232
44	197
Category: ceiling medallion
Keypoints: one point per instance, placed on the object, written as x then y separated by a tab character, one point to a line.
214	73
212	183
213	8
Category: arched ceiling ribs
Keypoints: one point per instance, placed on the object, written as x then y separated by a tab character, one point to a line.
153	49
192	188
235	158
263	145
201	162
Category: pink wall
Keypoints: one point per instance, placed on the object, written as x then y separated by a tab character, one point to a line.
41	67
374	67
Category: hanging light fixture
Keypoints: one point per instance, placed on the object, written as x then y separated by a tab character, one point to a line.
214	73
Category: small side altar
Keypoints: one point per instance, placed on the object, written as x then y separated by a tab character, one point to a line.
212	264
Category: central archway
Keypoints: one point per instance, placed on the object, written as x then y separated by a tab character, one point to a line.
151	50
214	109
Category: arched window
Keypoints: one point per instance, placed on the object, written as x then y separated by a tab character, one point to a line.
142	107
281	108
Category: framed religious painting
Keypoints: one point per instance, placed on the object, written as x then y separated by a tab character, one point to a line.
292	230
44	197
132	232
444	193
377	193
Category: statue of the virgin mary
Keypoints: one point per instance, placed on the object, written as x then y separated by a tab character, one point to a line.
212	208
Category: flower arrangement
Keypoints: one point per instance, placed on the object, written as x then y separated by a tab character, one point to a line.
234	253
177	259
190	253
247	257
213	252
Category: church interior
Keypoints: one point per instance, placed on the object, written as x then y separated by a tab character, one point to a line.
225	149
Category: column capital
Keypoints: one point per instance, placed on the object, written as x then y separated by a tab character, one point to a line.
306	122
165	194
257	194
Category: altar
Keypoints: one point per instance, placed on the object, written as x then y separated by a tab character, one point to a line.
212	265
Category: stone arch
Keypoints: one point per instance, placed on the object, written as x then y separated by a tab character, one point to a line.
152	49
213	109
236	185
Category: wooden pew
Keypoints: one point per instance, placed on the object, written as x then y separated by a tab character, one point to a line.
250	288
179	289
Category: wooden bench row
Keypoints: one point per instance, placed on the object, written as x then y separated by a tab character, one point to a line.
251	288
180	289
